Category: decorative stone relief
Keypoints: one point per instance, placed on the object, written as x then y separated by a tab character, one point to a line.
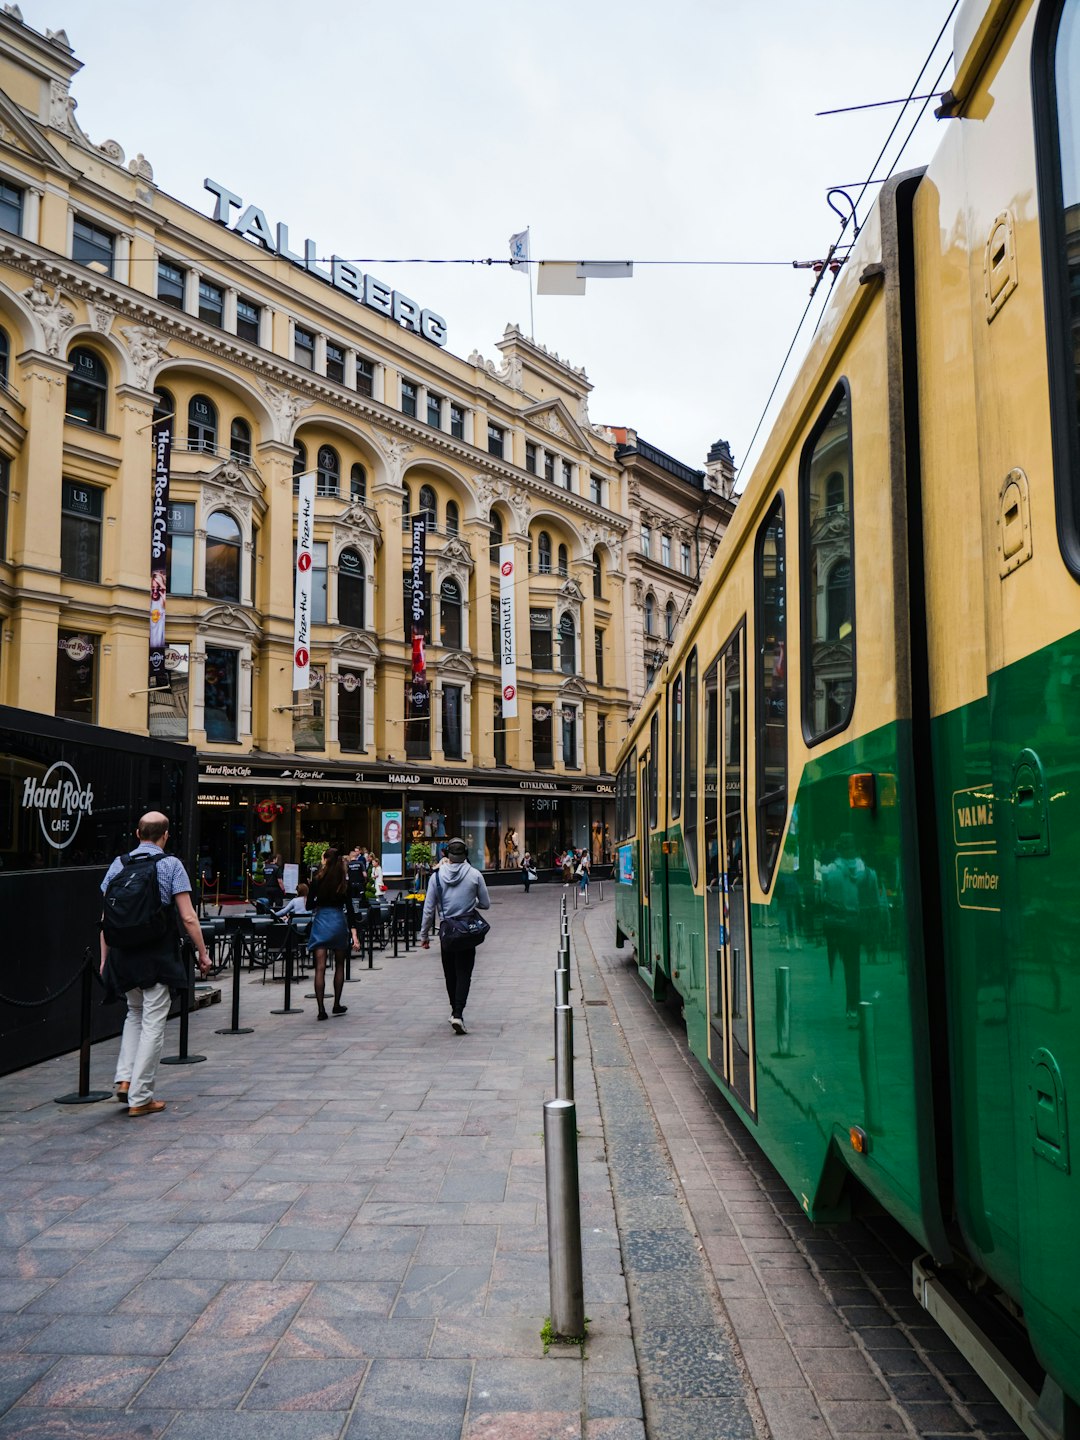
637	593
101	317
571	592
62	109
548	420
147	349
227	617
459	551
456	665
113	151
509	372
356	645
54	317
521	505
396	452
358	526
58	37
141	168
284	405
14	12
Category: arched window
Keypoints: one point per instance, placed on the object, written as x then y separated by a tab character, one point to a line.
164	406
299	466
650	614
834	491
5	355
450	615
406	502
429	506
669	620
352	584
240	440
87	389
328	472
495	522
838	601
567	647
453	517
358	483
564	561
223	551
201	424
543	550
597	576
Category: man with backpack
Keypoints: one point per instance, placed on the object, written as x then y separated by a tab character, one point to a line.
146	892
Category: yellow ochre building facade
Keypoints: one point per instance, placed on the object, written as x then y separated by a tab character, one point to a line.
118	303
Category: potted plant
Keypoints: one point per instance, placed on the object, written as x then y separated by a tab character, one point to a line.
418	859
313	853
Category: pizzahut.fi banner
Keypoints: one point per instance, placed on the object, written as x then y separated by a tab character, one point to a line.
159	554
507	632
305	534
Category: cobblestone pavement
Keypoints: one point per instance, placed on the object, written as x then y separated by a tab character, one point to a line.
336	1232
820	1319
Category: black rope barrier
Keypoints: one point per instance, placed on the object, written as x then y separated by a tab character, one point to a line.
182	1057
84	1095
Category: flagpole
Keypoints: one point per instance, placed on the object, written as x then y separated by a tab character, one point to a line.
532	323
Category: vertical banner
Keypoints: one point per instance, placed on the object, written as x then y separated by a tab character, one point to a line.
305	532
391	857
507	631
159	551
418	603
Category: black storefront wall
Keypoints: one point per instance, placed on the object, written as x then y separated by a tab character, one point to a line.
266	804
70	797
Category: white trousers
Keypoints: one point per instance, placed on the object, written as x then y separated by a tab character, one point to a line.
142	1041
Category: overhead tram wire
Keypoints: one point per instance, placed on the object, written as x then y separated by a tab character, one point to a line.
865	185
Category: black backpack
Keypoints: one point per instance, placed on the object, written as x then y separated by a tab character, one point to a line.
135	915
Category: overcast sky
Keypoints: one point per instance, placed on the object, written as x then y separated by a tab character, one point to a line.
646	131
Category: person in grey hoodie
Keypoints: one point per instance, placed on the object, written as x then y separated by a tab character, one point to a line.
457	889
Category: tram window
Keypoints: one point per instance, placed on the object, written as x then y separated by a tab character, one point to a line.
654	770
712	823
631	798
1057	116
770	600
675	723
690	823
827	541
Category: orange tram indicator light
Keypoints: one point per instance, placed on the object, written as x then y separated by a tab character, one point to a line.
861	792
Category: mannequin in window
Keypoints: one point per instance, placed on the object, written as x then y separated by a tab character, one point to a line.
510	846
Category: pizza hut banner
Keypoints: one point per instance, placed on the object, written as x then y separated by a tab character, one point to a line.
305	535
507	632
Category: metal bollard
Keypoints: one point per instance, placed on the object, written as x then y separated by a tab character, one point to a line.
182	1057
564	1052
575	898
238	957
783	1012
396	919
84	1095
562	986
289	1008
868	1067
563	1219
601	895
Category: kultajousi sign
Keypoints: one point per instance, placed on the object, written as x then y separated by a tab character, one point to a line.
342	274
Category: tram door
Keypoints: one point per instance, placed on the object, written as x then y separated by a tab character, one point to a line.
645	956
731	1019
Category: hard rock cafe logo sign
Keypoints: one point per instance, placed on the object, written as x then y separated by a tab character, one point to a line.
76	647
61	800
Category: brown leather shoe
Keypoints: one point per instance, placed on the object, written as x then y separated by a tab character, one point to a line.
122	1091
152	1107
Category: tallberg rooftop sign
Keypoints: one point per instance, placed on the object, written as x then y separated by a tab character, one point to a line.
344	276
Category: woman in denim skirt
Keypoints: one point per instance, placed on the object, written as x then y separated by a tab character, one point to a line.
334	927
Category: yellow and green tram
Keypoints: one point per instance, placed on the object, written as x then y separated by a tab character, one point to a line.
849	810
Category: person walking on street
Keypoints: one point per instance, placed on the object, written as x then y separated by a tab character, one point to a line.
458	890
140	953
582	873
335	920
527	871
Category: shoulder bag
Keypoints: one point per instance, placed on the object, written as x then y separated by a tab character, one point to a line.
461	932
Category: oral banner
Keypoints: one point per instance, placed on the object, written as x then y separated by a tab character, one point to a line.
417	609
305	532
507	631
159	552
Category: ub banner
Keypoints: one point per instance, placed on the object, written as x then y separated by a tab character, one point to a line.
507	632
305	532
159	551
418	604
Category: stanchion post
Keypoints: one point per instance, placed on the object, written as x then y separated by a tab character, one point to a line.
290	942
564	1052
238	960
84	1095
397	917
182	1057
563	1219
370	940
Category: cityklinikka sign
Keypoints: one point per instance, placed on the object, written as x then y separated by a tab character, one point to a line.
365	289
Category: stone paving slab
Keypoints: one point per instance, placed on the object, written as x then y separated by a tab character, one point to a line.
333	1232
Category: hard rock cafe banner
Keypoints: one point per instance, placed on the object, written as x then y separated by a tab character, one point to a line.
159	551
305	533
418	603
507	633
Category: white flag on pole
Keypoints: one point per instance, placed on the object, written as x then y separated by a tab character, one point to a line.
305	533
519	251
